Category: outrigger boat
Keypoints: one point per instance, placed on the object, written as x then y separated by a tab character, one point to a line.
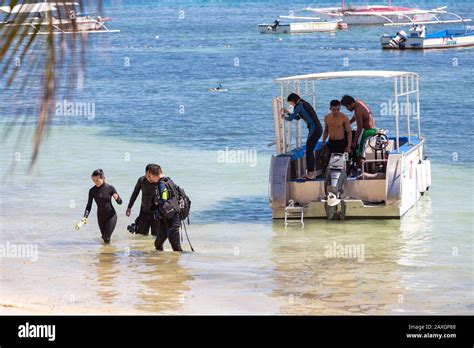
60	14
418	39
396	171
311	25
387	15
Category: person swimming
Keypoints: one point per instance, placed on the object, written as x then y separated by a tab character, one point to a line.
102	193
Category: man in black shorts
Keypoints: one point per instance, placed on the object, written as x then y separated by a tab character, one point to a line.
338	128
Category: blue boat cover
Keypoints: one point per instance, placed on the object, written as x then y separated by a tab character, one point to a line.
447	33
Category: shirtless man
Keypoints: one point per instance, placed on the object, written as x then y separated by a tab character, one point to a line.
365	124
336	125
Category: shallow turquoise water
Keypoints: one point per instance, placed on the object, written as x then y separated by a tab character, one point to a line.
245	262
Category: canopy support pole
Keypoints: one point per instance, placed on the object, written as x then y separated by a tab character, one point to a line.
397	141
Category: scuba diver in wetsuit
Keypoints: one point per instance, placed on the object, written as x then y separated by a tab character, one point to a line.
102	193
304	110
165	208
146	219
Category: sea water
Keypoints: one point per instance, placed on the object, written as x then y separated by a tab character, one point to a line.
145	99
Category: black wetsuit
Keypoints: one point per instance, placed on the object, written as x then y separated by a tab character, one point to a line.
304	110
146	218
106	215
167	228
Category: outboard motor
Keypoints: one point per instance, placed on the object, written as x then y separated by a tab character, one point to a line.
399	40
274	25
335	179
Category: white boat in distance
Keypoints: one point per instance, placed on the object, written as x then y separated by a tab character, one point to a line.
387	15
314	25
63	17
418	39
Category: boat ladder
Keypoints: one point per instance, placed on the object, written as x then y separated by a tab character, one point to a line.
292	211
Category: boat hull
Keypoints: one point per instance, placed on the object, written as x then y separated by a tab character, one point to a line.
371	18
354	209
428	43
82	24
387	198
387	15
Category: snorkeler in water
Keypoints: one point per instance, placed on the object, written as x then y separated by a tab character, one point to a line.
102	193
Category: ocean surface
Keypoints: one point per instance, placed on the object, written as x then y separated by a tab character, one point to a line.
147	94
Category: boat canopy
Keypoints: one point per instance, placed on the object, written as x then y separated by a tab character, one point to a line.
405	90
346	74
455	32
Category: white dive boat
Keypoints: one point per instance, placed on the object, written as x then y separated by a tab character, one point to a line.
387	15
396	171
62	15
312	26
417	38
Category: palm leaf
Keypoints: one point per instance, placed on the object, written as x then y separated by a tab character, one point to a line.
54	55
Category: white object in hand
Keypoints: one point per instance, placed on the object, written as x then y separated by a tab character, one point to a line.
81	223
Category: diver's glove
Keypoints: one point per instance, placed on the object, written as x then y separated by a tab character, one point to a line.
82	222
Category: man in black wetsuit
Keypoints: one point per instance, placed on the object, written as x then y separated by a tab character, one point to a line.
303	110
166	212
146	218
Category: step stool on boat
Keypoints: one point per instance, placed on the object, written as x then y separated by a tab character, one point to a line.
292	211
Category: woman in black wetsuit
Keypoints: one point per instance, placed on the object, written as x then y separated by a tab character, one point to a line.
102	193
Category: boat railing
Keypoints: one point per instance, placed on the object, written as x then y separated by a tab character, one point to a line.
289	134
407	87
433	20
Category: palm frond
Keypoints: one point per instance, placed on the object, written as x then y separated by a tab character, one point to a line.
20	41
